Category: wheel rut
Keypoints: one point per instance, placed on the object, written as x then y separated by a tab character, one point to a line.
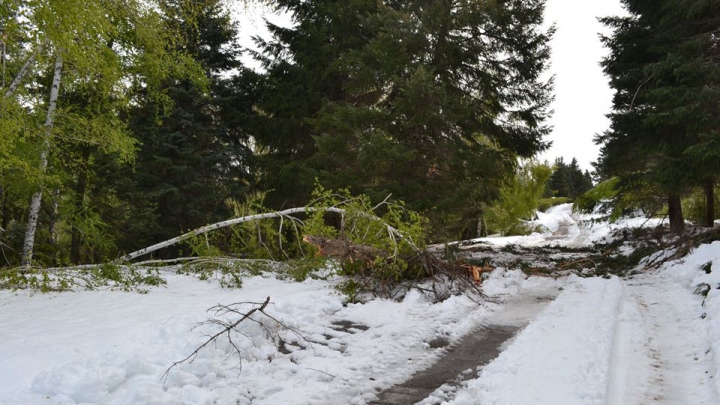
476	349
461	361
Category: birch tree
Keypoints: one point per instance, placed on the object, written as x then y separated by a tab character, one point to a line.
45	149
105	45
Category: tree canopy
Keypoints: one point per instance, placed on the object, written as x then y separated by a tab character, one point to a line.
415	98
126	122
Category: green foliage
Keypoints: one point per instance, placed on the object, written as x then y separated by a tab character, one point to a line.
567	180
229	272
387	226
518	201
388	98
193	154
664	123
107	48
316	268
602	192
395	233
694	206
125	278
546	203
614	199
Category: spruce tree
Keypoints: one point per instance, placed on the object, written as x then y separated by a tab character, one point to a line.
664	128
193	156
430	101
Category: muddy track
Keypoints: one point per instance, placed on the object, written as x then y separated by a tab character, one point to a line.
461	361
476	349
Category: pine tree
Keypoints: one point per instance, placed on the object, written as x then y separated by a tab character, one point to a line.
420	99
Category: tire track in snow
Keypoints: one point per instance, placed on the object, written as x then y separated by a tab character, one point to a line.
657	346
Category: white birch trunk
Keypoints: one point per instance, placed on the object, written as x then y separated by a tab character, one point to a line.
21	74
45	149
199	231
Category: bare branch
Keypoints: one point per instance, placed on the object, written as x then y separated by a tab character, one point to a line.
214	337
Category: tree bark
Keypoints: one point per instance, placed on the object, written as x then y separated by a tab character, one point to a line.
5	211
52	227
34	211
677	221
709	186
2	208
21	74
80	189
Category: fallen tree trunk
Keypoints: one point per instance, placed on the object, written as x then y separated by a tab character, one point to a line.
277	214
343	249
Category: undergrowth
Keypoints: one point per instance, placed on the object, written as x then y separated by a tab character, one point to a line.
118	277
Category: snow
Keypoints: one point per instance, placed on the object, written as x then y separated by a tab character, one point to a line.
560	358
111	347
646	339
565	228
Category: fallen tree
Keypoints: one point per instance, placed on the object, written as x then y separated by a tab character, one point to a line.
380	248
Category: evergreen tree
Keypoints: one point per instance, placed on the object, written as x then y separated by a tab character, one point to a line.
193	156
664	128
567	180
430	101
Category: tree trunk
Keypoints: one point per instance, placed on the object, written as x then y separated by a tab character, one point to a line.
481	228
34	211
2	208
52	226
80	188
5	211
709	186
677	222
290	211
21	74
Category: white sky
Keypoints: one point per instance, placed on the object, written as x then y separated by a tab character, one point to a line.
582	94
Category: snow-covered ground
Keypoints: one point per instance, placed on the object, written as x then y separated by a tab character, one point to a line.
642	340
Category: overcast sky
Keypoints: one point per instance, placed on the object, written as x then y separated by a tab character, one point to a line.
582	94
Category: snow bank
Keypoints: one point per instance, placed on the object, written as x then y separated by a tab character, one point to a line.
689	273
560	358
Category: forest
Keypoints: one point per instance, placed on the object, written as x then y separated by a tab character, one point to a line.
124	123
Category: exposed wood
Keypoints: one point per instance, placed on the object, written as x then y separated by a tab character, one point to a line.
343	249
476	272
